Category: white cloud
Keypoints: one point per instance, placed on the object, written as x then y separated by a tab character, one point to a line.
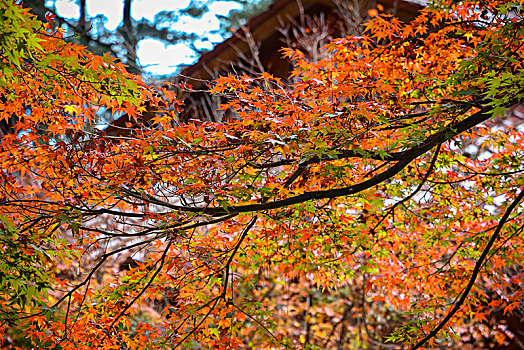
158	58
112	9
215	38
222	8
208	22
198	26
67	9
203	44
148	9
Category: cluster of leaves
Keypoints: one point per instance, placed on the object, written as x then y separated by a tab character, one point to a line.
352	182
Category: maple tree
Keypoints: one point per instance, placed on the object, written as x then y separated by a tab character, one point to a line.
374	200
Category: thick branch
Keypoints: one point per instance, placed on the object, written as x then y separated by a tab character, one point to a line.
342	154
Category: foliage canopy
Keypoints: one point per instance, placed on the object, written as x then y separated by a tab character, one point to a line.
383	186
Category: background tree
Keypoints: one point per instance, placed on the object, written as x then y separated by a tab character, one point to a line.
123	42
354	174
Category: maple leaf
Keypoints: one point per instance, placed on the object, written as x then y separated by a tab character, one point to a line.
383	171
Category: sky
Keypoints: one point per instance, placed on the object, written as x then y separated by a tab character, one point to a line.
155	56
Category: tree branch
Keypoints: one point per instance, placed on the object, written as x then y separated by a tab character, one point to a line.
407	157
476	270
